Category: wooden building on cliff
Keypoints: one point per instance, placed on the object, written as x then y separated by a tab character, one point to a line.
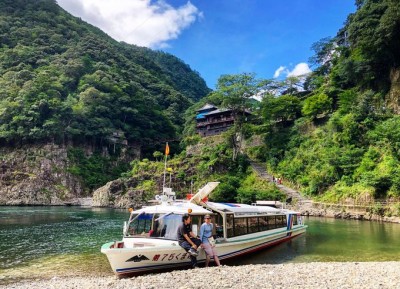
210	120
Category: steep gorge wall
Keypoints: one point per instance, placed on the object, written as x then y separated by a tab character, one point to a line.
36	175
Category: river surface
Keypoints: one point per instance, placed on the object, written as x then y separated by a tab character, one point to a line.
40	242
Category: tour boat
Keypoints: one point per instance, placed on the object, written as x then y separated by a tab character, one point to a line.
150	243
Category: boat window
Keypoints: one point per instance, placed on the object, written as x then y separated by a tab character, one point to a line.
166	227
271	222
252	225
240	226
218	228
249	225
281	221
294	218
141	225
229	225
263	223
196	222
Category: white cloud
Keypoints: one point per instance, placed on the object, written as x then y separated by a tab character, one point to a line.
280	70
139	22
299	70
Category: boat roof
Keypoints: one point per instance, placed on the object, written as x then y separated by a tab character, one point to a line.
178	208
243	208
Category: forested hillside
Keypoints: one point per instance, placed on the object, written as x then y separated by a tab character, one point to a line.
333	134
62	79
77	106
340	138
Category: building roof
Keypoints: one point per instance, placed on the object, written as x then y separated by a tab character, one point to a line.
207	106
222	110
200	115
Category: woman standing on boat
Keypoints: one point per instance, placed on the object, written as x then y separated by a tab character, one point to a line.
208	241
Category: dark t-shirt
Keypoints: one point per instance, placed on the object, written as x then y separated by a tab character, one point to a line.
184	229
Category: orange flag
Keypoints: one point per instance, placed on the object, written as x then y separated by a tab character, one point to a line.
167	150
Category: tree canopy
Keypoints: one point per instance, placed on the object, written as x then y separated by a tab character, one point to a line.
62	79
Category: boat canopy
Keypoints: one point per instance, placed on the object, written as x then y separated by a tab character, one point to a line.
178	208
243	208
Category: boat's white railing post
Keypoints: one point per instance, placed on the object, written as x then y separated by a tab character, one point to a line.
125	229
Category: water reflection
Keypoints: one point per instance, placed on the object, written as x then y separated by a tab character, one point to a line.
332	240
31	233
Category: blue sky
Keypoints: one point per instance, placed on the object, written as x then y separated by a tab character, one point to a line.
218	37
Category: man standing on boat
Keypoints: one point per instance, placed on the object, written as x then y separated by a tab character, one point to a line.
187	239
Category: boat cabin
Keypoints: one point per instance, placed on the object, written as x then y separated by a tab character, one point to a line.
231	220
162	221
149	240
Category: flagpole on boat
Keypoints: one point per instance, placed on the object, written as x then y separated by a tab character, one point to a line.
165	165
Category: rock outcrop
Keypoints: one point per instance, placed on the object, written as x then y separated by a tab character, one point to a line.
341	212
39	175
119	194
36	175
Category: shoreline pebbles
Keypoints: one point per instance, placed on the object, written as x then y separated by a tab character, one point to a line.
288	275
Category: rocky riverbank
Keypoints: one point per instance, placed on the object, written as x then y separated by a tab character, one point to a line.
338	211
290	275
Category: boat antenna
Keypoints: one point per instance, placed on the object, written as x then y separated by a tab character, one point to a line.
165	164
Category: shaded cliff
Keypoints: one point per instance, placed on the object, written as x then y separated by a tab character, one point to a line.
50	174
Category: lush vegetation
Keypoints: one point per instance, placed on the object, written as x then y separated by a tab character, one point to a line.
94	170
339	138
334	134
212	161
64	80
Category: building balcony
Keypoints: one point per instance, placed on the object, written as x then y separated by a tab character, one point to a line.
215	121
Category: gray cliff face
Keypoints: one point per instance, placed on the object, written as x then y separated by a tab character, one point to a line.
36	175
120	193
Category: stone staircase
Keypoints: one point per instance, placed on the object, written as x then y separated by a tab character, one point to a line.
296	198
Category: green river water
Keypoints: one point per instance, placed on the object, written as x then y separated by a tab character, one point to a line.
40	242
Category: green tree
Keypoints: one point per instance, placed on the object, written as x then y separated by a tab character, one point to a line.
316	104
233	92
280	109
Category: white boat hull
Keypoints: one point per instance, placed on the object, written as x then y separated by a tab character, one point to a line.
140	255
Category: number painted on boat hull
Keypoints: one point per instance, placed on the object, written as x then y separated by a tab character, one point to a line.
170	257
